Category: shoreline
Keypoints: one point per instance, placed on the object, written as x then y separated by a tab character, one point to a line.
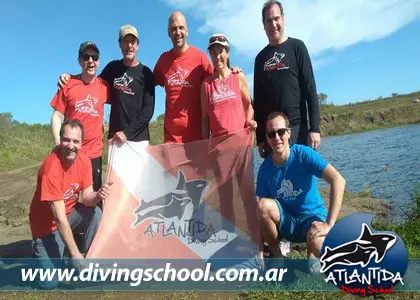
389	126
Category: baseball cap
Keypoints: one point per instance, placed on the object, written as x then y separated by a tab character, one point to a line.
128	29
85	45
218	38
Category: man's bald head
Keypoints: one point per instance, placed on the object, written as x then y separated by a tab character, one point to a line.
177	16
178	31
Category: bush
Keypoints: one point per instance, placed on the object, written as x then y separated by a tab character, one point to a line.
6	120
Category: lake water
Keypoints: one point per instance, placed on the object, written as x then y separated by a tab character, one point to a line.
385	161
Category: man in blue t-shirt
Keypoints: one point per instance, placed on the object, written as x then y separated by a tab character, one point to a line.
290	205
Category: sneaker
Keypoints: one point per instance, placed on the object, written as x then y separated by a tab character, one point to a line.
284	247
314	266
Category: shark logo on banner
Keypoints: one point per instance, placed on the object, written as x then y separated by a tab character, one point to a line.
169	201
174	203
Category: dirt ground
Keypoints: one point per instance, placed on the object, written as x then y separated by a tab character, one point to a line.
17	188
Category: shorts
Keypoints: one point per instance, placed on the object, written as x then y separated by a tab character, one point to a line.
294	228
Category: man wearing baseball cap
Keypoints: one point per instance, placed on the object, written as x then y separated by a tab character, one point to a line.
83	98
132	91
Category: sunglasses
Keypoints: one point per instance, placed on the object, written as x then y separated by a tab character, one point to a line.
86	57
218	38
281	131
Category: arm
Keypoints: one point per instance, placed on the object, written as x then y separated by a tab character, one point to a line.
146	113
246	101
56	121
207	66
157	74
259	110
107	72
90	197
63	80
308	88
337	184
59	104
58	209
205	128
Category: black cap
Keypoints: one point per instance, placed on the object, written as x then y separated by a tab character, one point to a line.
85	45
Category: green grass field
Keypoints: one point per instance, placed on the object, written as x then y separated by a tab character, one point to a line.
22	145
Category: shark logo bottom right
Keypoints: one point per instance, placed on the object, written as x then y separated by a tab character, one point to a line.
361	261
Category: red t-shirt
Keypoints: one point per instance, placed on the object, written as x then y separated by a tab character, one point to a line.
85	102
224	105
55	183
181	75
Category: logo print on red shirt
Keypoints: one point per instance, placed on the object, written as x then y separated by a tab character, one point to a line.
221	93
87	106
178	78
71	193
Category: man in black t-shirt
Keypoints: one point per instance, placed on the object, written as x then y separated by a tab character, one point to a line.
284	81
132	91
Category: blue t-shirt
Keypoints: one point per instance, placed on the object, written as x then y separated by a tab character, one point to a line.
294	184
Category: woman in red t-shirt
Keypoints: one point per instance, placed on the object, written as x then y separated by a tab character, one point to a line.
225	99
226	108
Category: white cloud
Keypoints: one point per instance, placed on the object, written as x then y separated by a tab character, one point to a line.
322	25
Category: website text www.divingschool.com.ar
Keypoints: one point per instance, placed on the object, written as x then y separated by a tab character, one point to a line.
95	273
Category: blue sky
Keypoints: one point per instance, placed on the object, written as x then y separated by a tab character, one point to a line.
360	49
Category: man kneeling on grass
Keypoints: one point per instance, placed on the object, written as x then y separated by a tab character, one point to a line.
290	205
55	213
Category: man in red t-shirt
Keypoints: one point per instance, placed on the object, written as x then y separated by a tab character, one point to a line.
83	98
55	213
180	71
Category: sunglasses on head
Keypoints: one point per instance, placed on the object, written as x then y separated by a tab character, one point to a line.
86	56
281	131
219	38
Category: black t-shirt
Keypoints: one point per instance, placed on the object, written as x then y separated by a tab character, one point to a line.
132	99
284	81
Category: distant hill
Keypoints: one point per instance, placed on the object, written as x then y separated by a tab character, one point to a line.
372	114
355	117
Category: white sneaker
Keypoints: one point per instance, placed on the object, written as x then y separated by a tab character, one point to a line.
314	266
284	247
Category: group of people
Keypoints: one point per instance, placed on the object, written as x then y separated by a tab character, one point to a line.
203	100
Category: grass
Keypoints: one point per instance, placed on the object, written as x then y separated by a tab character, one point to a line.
408	230
23	145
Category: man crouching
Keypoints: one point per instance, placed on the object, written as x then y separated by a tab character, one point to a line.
55	213
290	205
